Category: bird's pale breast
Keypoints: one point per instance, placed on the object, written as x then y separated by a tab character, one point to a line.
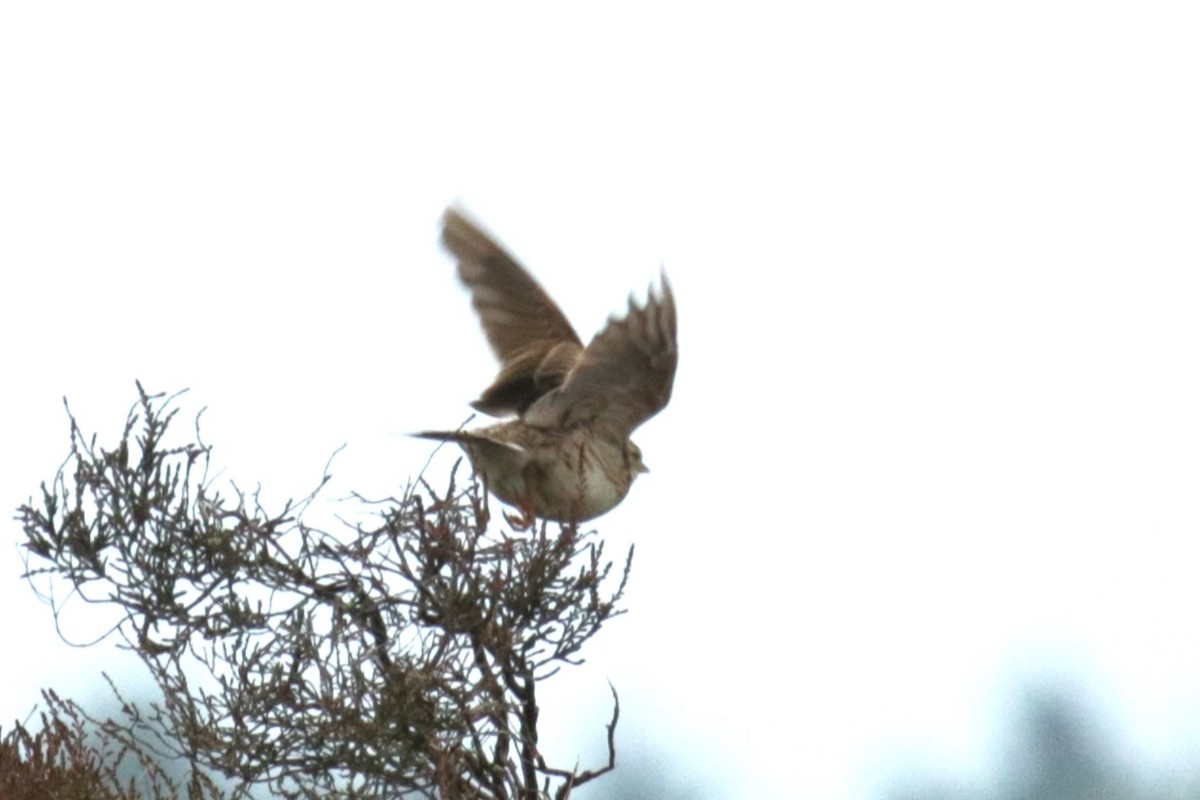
573	477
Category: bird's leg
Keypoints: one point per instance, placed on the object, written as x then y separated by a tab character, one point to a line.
526	519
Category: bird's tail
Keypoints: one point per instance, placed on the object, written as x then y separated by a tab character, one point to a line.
440	436
486	453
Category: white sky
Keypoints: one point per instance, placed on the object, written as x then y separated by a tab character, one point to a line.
936	427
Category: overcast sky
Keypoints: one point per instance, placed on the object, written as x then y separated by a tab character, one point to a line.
936	426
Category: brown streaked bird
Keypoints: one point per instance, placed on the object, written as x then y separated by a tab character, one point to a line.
567	456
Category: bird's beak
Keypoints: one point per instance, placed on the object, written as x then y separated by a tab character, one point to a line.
642	468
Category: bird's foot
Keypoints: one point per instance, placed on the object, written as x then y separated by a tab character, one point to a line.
522	521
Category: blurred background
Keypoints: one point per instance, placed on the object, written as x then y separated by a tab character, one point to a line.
922	517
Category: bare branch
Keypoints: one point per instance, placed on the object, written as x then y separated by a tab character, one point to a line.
399	658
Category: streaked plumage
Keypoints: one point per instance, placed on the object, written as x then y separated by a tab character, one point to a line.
567	456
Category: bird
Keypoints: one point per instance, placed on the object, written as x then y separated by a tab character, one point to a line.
564	454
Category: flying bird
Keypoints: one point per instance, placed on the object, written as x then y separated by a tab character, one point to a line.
566	455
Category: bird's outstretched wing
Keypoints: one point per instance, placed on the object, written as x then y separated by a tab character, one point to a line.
535	344
625	375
